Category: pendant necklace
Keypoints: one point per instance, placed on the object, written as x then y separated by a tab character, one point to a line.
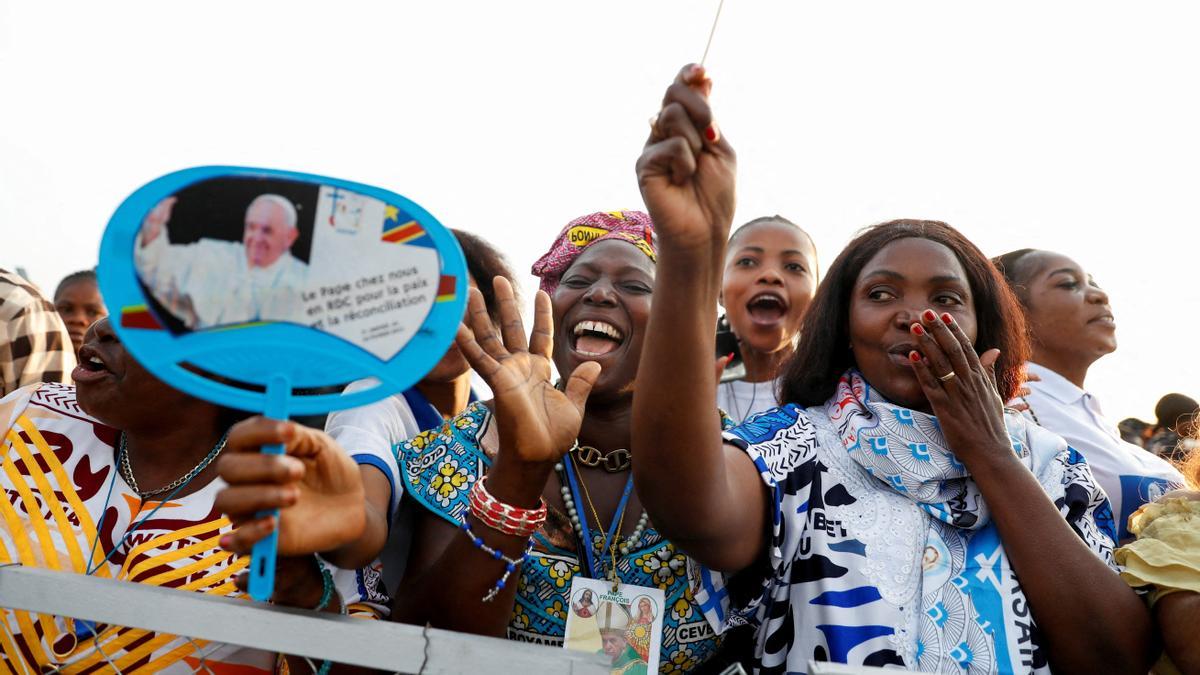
593	545
82	629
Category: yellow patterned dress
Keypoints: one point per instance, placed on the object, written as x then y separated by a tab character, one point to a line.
59	476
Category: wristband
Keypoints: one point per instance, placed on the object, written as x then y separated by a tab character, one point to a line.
505	518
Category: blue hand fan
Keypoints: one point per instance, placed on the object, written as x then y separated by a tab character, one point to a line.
269	291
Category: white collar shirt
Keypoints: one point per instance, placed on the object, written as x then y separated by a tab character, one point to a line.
1129	475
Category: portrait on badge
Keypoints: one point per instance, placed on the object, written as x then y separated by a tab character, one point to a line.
622	622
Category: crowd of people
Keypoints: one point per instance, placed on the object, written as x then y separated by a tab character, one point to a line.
889	461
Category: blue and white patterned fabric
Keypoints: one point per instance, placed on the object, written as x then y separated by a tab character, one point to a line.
882	551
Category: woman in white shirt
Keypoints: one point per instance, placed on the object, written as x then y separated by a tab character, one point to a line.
369	433
769	280
1071	326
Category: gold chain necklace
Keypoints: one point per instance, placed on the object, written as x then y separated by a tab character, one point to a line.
613	461
612	546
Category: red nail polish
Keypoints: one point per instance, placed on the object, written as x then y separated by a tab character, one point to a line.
711	133
947	319
918	329
695	71
225	540
929	315
914	357
731	355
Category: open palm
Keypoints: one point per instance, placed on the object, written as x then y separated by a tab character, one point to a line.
536	421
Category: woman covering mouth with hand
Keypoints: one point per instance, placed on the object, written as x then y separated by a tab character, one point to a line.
890	512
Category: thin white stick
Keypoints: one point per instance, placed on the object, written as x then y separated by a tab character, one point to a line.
712	32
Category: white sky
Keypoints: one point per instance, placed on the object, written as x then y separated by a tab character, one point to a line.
1065	125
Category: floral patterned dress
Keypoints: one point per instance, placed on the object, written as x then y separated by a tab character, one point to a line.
441	465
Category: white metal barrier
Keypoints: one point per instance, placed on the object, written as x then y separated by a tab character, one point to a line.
383	645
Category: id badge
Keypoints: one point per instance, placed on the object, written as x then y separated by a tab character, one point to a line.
624	623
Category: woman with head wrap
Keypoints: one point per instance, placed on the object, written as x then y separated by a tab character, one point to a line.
591	311
552	462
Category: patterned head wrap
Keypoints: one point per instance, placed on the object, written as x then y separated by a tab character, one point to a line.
634	227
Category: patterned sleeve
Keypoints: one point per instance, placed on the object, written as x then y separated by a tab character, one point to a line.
363	592
781	443
1085	507
440	466
34	345
382	435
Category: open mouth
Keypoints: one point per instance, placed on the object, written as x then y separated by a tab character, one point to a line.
767	308
91	367
596	338
1105	320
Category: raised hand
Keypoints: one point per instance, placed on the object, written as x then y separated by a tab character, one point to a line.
961	388
315	485
687	168
157	219
537	423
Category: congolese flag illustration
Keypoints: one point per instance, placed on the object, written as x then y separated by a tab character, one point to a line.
139	316
400	228
447	289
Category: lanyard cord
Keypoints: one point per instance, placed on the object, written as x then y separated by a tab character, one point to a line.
585	532
128	533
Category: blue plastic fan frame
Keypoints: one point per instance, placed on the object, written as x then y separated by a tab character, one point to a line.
270	367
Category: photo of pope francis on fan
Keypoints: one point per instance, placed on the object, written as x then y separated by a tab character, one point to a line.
215	280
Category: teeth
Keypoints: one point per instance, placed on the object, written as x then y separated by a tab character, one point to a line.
95	361
766	298
598	327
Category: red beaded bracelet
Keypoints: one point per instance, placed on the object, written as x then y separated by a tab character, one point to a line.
505	518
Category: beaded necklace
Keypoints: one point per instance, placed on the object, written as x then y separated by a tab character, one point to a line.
627	543
594	545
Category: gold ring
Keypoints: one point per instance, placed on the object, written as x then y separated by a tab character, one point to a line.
947	377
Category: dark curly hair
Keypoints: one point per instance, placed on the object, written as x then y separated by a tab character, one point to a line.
811	375
485	263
